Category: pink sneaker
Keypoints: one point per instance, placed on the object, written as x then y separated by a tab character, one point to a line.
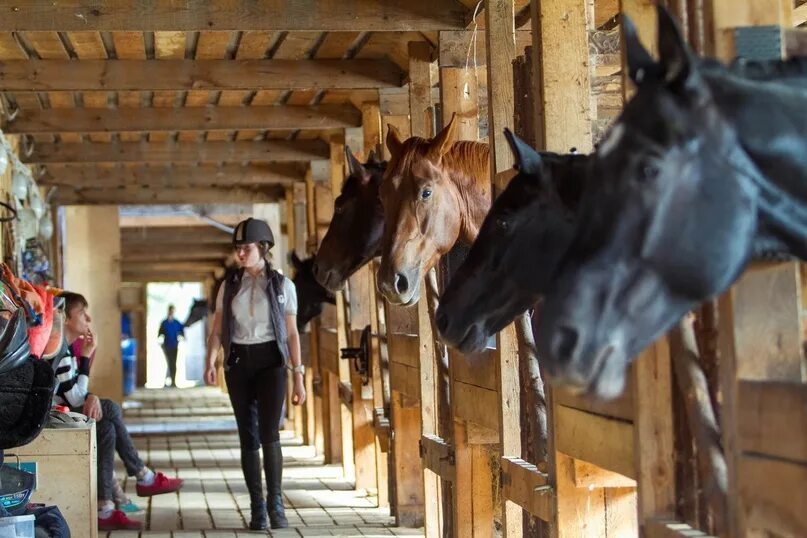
162	484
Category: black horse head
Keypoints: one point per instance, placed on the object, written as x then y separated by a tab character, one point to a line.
528	229
354	234
310	294
668	222
198	312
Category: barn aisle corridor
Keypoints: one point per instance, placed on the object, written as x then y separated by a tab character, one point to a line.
191	433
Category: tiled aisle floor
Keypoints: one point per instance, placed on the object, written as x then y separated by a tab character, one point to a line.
191	433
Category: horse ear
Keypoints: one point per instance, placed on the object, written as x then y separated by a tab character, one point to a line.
354	167
528	161
640	63
675	58
372	157
394	143
444	139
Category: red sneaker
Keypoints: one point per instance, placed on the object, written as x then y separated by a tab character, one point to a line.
162	484
118	521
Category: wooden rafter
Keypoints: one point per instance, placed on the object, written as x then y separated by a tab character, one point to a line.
89	120
182	175
171	151
141	196
174	235
195	15
134	75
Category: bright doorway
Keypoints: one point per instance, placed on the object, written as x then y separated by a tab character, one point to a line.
191	355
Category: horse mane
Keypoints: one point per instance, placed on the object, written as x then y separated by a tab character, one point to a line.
464	158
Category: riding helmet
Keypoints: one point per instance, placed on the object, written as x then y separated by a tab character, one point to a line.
253	231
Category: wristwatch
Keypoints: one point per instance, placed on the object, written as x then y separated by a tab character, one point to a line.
298	370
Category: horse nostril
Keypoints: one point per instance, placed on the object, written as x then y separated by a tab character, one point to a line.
564	343
401	283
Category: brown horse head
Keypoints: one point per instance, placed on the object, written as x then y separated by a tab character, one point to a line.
434	192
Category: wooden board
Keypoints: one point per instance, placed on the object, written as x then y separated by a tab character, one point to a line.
228	118
603	441
185	75
774	419
477	405
524	485
195	195
239	15
171	151
772	495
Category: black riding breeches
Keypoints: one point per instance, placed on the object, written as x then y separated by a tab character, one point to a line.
256	382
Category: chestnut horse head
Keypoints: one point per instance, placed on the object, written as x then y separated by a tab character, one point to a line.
434	193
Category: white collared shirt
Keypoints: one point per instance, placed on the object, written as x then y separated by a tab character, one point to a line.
250	308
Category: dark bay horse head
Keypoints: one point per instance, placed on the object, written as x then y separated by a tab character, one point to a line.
525	234
354	234
666	221
434	192
310	294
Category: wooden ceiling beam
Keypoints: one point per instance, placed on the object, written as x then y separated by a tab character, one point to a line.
209	118
165	266
234	15
185	75
141	196
180	175
171	151
175	236
170	276
162	252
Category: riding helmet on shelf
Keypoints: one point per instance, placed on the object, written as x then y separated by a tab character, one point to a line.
253	231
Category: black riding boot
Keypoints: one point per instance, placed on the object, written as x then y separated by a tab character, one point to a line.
273	466
251	465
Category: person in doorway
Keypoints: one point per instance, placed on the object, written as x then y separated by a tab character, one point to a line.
256	324
170	331
72	390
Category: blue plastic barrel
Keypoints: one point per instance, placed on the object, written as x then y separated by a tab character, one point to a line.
128	347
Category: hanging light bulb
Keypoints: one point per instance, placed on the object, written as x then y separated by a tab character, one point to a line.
19	182
46	226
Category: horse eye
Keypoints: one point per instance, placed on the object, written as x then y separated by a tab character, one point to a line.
650	171
338	209
425	194
502	224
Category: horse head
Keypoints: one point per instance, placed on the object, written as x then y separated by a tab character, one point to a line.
354	234
432	196
528	229
310	294
662	223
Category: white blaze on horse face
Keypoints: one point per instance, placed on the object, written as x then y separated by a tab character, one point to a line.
611	140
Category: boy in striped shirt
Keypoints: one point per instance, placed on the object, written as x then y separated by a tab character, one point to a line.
111	434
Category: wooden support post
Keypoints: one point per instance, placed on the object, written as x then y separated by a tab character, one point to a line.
315	382
459	95
345	414
92	268
371	123
501	51
420	83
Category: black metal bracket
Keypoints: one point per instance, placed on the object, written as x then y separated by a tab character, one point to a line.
360	356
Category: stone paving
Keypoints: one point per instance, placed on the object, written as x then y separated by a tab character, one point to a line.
190	433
